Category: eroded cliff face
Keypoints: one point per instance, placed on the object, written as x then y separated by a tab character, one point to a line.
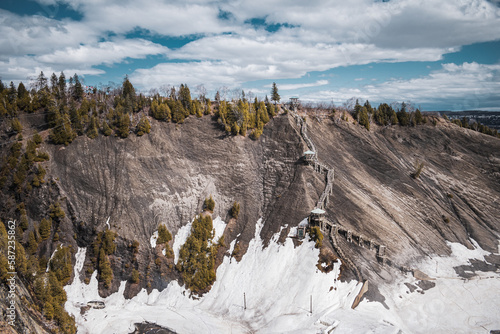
163	177
455	198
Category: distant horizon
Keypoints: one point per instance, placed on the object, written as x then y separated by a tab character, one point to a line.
439	55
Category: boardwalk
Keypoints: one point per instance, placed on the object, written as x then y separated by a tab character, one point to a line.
327	227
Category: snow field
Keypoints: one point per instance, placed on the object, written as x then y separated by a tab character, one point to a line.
279	281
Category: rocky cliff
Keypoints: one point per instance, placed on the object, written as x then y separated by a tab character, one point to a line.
164	177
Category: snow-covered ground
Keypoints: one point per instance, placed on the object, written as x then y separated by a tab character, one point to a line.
279	281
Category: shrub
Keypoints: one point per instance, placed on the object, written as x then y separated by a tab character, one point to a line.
44	228
209	204
56	212
419	167
164	235
135	276
105	272
316	236
197	257
143	126
235	210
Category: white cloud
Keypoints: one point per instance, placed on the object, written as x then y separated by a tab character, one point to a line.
316	35
103	53
302	85
465	86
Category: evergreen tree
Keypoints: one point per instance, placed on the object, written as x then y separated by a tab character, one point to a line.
235	210
16	125
364	119
54	84
418	117
77	92
32	243
274	94
23	98
123	125
143	126
44	228
76	119
209	204
178	112
62	133
164	236
185	98
93	131
106	130
41	82
61	87
105	272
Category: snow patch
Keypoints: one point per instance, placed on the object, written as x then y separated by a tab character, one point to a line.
219	227
51	257
279	282
180	239
153	239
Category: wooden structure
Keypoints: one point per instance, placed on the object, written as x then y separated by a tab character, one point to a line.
301	230
317	217
97	304
294	102
309	156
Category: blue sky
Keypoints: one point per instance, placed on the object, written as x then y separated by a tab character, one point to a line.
440	55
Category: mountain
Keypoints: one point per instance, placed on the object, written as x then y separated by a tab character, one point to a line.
131	186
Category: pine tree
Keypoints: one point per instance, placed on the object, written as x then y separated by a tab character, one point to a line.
106	130
235	210
77	88
76	119
418	117
61	87
123	125
274	94
164	236
23	98
209	204
364	120
178	112
44	229
92	131
105	272
135	276
16	126
62	133
185	98
143	126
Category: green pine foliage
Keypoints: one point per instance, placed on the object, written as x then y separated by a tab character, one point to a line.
60	264
123	125
56	212
62	133
44	229
106	130
274	93
105	272
209	204
93	131
164	234
135	277
143	126
16	126
197	256
235	210
316	236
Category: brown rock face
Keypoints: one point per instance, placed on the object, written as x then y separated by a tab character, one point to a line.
165	176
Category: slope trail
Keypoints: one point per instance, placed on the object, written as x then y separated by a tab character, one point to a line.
324	198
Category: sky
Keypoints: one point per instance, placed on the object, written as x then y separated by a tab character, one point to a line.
436	54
